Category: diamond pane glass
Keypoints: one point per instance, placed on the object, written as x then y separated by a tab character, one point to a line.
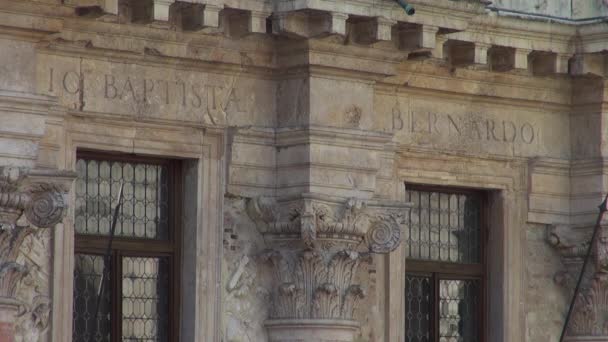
144	211
145	306
444	226
418	299
87	276
458	310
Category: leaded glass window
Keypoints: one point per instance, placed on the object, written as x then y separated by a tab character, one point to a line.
445	268
139	297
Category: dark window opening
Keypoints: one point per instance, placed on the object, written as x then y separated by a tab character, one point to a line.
140	297
445	266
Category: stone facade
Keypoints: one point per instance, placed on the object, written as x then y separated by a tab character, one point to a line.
298	124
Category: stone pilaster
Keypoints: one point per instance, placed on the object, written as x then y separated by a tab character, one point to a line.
317	245
29	200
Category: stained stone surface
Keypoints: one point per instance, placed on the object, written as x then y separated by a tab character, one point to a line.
245	280
546	301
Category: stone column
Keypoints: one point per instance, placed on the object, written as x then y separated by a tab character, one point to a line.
29	200
317	246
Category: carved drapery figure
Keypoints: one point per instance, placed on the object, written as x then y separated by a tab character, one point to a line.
29	200
317	245
589	321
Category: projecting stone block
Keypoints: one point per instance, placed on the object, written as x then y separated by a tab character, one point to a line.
211	16
521	58
257	21
161	9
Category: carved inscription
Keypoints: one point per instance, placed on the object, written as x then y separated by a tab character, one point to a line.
471	126
213	100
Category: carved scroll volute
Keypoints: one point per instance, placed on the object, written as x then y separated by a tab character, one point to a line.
384	235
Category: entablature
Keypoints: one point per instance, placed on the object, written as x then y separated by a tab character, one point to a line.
462	33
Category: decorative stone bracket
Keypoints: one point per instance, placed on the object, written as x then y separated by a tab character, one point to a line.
316	246
29	200
589	321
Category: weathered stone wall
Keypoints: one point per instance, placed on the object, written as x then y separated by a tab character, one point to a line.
245	279
546	301
566	9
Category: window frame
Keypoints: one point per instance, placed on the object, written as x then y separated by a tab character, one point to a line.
445	270
94	244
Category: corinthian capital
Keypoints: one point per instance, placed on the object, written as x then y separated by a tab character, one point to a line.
318	247
39	196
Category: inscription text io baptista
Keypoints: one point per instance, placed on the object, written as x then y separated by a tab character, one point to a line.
470	126
138	90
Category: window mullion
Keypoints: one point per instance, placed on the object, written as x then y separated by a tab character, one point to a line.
435	306
116	296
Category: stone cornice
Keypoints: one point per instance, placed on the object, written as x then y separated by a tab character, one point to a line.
468	19
28	103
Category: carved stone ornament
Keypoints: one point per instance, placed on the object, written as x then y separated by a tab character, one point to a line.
315	284
29	199
317	245
589	320
318	220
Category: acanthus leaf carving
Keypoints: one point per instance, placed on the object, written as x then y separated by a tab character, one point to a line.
590	308
315	284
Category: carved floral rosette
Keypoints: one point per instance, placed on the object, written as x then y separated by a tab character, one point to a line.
29	200
317	245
